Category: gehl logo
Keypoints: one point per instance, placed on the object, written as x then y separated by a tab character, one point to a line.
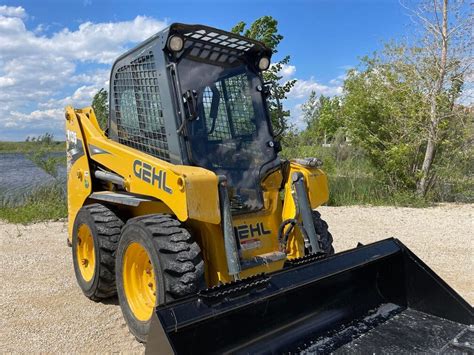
249	230
151	175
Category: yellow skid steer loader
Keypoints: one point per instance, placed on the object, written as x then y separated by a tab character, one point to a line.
182	207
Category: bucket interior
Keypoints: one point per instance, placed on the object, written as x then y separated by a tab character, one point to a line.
360	300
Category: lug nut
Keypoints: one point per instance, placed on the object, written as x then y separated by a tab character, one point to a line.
84	262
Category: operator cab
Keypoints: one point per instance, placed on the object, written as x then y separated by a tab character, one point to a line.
210	81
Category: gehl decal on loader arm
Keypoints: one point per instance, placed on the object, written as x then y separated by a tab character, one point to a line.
151	175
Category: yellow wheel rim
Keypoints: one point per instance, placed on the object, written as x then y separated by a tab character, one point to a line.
139	281
85	252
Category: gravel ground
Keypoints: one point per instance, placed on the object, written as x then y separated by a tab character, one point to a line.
43	310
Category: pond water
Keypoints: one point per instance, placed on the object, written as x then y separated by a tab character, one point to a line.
19	176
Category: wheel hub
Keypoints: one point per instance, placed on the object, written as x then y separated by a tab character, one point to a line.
139	281
85	252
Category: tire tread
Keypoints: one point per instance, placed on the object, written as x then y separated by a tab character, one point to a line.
180	255
108	226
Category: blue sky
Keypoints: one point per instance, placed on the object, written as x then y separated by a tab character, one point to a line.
54	53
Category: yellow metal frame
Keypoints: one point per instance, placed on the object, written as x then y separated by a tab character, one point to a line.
194	199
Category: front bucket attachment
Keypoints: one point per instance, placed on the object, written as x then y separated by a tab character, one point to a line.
378	298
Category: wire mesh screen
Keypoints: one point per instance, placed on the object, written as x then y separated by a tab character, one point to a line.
138	108
235	113
215	47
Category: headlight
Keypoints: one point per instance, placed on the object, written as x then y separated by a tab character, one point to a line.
175	43
263	63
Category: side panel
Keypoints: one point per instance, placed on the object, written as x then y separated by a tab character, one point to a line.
78	171
189	192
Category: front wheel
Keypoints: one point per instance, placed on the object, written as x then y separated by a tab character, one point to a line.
94	240
157	261
325	236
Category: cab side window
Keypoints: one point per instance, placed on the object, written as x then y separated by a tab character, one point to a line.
138	107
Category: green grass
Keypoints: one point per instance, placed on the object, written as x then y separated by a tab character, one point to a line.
347	191
352	179
44	203
27	147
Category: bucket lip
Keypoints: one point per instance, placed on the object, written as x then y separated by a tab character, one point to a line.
388	247
278	283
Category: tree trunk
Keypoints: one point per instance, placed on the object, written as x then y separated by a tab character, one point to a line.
422	186
423	183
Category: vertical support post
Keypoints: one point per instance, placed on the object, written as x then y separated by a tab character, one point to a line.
230	243
304	207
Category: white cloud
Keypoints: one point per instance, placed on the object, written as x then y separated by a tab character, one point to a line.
38	115
50	120
40	73
303	88
11	124
287	71
299	94
5	81
296	117
339	80
11	11
101	42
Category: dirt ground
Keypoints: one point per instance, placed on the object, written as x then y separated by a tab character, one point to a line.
43	310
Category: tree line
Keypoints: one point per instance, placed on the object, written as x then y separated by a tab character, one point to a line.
405	109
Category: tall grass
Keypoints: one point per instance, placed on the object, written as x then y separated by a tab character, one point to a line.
352	179
43	203
24	147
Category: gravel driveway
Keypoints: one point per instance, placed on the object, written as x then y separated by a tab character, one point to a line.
43	310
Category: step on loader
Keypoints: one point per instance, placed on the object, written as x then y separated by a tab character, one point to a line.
182	207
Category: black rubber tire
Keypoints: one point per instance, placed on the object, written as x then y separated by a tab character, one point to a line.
105	227
176	259
325	236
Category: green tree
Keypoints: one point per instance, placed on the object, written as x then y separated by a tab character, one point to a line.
384	115
44	158
101	107
387	111
46	139
440	58
265	29
323	117
400	106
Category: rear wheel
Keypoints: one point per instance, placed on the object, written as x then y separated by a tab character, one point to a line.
94	240
325	236
157	261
